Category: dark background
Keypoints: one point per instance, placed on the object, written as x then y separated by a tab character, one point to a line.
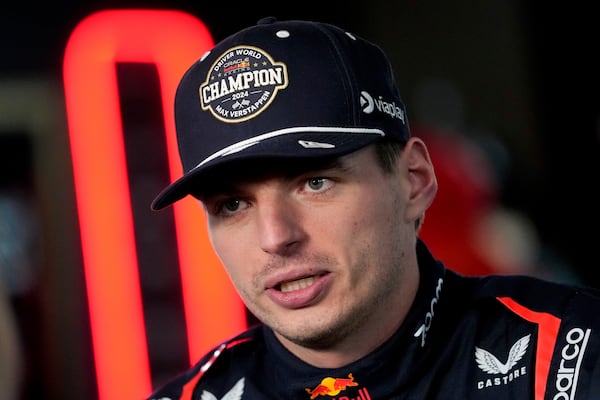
518	79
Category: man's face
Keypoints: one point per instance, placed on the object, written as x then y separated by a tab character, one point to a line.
317	254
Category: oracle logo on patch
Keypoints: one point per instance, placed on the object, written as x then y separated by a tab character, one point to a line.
241	84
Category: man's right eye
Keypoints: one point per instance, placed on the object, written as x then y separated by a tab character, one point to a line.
227	207
230	205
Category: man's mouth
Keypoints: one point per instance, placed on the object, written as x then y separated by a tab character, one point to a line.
300	290
297	284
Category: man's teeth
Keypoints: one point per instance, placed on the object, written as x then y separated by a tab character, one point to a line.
298	284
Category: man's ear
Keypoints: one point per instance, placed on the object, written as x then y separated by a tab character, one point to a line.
421	178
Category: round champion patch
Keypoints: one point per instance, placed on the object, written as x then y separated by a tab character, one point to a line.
242	83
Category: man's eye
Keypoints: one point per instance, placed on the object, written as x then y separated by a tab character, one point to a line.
231	205
225	207
317	183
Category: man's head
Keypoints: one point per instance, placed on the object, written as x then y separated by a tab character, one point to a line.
295	139
289	89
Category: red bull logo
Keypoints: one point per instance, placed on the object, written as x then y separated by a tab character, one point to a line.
333	386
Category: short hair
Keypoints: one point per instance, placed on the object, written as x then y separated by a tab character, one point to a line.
387	152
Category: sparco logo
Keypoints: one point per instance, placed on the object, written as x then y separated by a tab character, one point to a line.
570	363
241	84
424	328
489	363
368	104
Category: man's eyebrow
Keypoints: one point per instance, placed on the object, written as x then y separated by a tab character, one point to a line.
224	182
208	191
321	165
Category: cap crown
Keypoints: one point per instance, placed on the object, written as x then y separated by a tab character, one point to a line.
283	89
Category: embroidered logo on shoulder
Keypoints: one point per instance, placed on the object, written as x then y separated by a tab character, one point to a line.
489	363
241	84
235	393
572	353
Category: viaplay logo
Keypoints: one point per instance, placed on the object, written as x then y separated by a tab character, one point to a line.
241	84
370	104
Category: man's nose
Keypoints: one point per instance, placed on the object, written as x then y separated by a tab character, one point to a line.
279	224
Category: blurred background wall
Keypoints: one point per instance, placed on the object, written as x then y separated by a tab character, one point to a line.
506	93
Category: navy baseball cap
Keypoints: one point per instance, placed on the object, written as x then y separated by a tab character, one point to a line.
282	89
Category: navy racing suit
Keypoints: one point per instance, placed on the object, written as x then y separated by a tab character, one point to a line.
489	337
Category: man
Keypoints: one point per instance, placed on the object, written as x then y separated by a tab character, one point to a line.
295	140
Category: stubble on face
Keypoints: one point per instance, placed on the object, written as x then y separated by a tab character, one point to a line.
363	247
366	293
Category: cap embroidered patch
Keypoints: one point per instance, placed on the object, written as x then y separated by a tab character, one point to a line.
241	83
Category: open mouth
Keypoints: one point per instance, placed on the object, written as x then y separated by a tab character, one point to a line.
297	284
303	291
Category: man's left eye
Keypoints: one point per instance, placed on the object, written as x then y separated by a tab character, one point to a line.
316	183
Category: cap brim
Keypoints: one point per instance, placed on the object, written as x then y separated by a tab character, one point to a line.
315	145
